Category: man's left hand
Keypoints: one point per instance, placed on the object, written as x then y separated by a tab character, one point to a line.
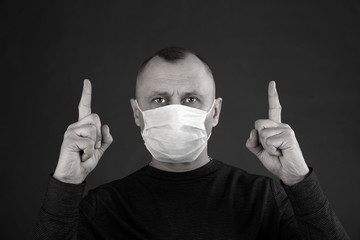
275	144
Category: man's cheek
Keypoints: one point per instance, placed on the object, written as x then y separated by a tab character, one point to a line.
141	122
208	124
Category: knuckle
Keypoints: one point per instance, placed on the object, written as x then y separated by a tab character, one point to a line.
66	134
290	131
95	117
71	126
257	124
68	141
69	132
267	141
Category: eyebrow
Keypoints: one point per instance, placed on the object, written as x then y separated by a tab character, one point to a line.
165	93
196	93
158	93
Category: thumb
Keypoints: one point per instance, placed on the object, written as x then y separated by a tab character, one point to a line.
253	143
106	138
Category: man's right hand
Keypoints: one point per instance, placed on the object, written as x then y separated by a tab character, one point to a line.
84	143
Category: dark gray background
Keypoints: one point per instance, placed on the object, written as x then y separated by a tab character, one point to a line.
310	48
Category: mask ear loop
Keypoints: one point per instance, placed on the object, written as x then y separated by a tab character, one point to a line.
137	104
212	106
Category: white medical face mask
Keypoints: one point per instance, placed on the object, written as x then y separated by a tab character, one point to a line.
175	133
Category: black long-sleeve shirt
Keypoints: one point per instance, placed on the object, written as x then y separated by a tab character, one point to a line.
216	201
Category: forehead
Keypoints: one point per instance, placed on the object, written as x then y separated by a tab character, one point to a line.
185	75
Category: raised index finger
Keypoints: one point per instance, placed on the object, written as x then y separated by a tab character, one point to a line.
85	101
274	103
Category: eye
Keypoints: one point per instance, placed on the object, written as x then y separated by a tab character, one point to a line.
159	100
191	99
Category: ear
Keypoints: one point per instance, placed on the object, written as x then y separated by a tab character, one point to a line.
216	111
136	111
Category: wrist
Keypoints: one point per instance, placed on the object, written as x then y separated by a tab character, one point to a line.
66	179
294	179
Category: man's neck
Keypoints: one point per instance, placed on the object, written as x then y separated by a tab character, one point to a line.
182	167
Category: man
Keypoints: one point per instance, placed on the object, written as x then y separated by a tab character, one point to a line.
183	193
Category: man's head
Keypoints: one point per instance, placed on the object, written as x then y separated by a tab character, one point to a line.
174	55
176	76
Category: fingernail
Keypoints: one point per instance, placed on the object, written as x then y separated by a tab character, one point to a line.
98	144
251	134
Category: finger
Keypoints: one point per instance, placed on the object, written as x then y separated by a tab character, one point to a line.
270	146
93	119
87	131
265	123
274	144
274	103
269	132
88	153
106	138
266	135
86	145
253	143
85	101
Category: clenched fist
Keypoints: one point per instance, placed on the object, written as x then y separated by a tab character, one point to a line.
275	144
84	143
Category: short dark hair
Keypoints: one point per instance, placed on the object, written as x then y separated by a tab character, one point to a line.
172	55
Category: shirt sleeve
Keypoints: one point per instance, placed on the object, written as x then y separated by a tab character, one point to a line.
311	215
59	214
